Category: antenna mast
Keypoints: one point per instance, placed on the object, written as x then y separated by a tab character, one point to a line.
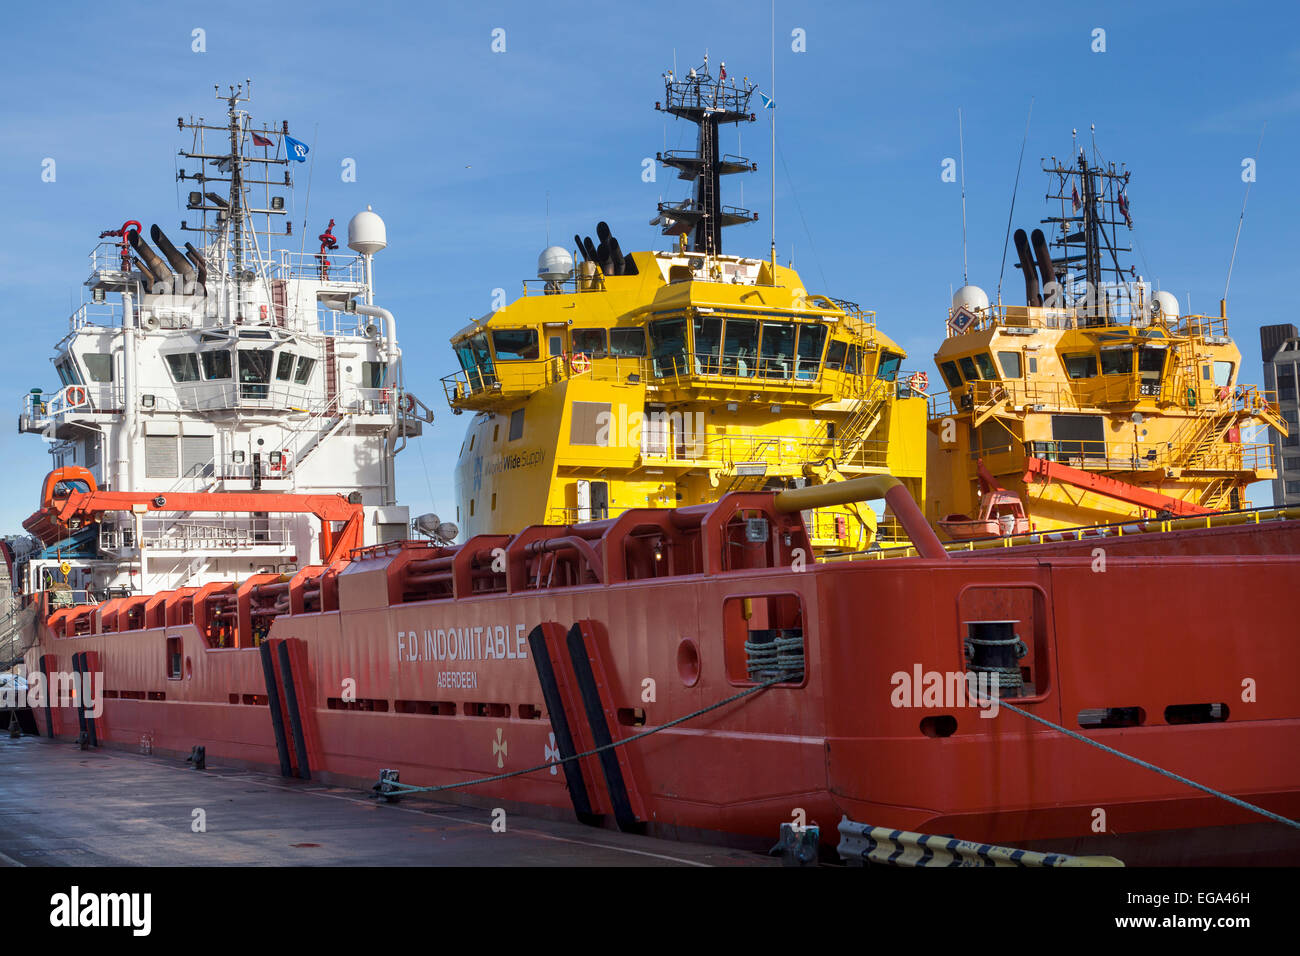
961	146
709	103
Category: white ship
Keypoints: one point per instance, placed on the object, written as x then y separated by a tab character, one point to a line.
217	396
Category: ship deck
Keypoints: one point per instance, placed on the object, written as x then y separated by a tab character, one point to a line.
60	806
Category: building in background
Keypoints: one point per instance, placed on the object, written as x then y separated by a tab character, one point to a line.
1280	346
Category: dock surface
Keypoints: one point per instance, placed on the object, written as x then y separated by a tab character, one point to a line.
60	806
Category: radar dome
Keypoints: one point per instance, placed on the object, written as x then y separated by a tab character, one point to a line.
554	263
1164	305
970	297
366	233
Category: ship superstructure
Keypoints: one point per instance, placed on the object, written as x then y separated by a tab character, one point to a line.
669	378
1099	399
211	390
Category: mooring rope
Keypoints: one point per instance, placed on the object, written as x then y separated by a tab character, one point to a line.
1149	766
401	789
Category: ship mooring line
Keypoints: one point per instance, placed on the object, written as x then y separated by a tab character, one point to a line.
1150	766
401	789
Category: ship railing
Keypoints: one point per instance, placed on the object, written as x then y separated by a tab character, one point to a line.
100	314
343	269
785	451
208	533
574	283
1202	326
47	407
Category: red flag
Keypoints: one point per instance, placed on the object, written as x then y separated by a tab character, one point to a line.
1123	207
1074	196
261	140
722	73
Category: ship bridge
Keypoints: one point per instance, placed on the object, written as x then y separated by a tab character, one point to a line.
1099	399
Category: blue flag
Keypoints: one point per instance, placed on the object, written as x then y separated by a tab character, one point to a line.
297	151
767	101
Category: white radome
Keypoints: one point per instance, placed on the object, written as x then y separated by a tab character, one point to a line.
1164	305
555	262
970	297
366	233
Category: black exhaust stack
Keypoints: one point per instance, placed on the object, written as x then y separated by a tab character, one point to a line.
189	278
1051	288
1032	296
157	268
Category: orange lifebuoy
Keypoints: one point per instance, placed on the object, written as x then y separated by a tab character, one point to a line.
408	403
75	395
580	363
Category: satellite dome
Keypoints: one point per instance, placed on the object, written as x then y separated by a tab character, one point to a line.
554	263
970	297
1164	305
366	233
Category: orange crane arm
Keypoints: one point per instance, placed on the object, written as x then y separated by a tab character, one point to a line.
1038	469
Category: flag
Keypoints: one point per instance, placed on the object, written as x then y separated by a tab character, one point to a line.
1123	208
722	73
768	104
260	140
296	150
1074	196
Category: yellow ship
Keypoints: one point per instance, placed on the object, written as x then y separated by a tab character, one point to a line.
670	378
1096	401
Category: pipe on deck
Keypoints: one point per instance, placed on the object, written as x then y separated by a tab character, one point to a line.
869	488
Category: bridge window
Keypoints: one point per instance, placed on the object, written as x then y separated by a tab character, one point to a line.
284	367
216	364
777	349
968	368
590	341
254	372
1080	365
1010	362
953	377
890	361
668	347
1117	361
853	360
373	374
99	366
811	340
740	347
835	355
184	366
305	366
515	345
68	373
708	345
629	343
1223	374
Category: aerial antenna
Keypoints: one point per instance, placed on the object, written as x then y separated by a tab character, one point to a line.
772	120
1241	221
961	146
1007	238
306	206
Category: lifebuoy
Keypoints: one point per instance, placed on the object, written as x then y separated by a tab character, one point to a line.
408	403
75	395
919	382
580	363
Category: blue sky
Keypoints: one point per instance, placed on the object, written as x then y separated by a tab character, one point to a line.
458	148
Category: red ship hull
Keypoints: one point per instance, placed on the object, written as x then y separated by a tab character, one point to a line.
418	659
